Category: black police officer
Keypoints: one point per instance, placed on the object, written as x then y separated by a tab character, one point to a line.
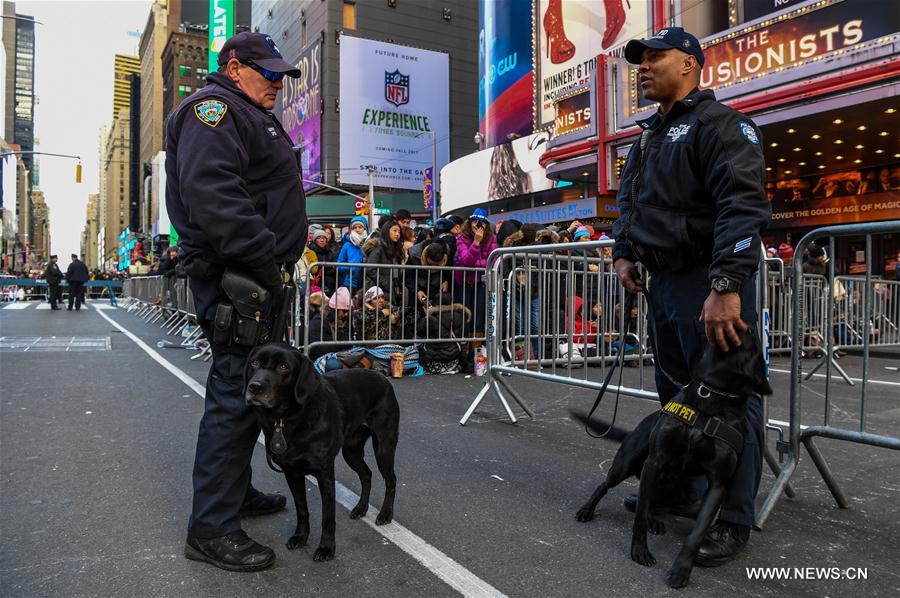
692	209
234	194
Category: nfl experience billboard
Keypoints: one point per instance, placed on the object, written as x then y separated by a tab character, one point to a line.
569	36
393	98
301	111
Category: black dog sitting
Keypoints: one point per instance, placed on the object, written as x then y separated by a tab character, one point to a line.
700	432
307	418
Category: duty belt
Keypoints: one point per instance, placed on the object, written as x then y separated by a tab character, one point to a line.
675	260
711	426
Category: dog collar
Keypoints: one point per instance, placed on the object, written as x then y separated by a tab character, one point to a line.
704	391
710	426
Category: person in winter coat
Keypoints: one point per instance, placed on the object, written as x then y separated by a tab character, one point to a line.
53	275
77	274
528	307
375	318
331	324
427	285
386	249
473	246
443	320
352	253
323	252
445	231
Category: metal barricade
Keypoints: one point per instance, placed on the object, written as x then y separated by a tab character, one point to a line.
866	314
555	313
421	305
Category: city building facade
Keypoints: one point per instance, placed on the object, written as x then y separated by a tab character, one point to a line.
310	33
821	79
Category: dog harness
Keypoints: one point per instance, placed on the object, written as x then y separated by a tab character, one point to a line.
711	426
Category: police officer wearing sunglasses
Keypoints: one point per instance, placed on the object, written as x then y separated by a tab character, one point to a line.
234	194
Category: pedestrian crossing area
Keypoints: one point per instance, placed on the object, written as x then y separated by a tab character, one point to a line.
35	305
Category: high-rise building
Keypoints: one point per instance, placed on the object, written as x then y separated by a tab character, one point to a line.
184	66
115	178
91	232
124	67
40	248
18	98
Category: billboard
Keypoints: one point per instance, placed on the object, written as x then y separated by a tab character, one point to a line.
221	27
570	35
753	9
796	45
505	75
506	170
843	197
394	99
301	111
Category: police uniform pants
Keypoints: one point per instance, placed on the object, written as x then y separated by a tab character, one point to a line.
76	294
53	294
228	433
679	341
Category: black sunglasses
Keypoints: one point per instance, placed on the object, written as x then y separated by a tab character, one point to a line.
270	75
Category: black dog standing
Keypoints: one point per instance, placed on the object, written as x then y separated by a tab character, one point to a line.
699	432
692	209
307	418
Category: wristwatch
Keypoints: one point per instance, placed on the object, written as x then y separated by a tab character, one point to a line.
724	285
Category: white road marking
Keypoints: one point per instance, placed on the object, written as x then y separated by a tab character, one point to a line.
18	305
838	377
100	306
43	306
442	566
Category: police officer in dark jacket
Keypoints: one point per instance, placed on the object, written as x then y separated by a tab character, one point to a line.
77	274
53	275
692	208
234	195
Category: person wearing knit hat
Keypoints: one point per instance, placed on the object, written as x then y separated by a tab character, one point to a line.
340	300
582	234
786	253
352	253
443	225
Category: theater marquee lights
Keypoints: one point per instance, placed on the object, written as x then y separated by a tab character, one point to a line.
811	33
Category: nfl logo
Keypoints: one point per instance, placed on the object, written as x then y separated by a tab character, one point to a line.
396	88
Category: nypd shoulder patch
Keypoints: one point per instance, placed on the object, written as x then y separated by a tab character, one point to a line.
210	112
749	132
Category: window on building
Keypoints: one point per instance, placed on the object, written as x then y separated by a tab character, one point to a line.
184	71
349	15
184	90
202	73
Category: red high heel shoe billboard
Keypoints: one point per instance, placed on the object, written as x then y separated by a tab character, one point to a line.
569	34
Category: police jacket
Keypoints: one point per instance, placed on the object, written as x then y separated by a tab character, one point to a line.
698	186
233	188
77	272
53	275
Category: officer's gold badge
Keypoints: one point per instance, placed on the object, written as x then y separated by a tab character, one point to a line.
210	112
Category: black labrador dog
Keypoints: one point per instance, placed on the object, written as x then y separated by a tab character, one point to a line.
307	418
699	432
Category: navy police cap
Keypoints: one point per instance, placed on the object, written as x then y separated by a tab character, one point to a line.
258	48
665	39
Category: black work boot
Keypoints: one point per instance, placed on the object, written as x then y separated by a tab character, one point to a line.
722	543
262	504
232	552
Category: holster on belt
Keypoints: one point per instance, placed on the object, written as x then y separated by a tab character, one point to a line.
243	318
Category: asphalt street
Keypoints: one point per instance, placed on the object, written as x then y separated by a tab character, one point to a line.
97	443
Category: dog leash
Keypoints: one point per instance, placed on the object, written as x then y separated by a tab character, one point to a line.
618	363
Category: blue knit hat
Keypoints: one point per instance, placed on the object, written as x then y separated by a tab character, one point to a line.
479	214
581	231
361	220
